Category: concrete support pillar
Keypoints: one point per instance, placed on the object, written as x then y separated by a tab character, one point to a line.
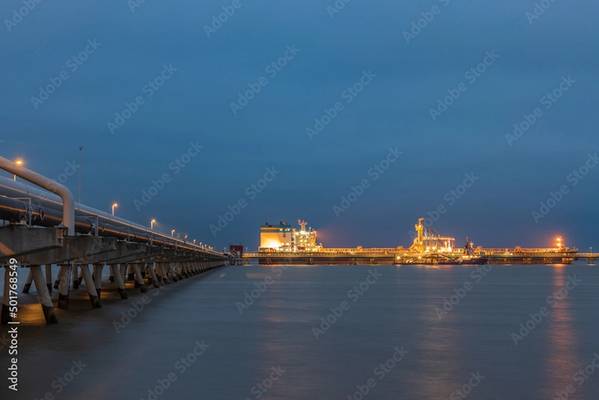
49	277
89	284
43	294
98	269
159	274
28	281
77	277
118	279
153	275
131	274
64	277
5	314
184	272
171	272
124	268
139	278
164	271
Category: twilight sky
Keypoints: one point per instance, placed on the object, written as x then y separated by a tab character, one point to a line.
358	116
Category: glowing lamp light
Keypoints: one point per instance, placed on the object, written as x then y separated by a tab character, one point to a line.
19	162
559	242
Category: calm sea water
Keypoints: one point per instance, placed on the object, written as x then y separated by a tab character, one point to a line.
329	332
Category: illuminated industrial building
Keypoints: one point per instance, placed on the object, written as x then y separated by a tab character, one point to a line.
284	238
427	241
282	244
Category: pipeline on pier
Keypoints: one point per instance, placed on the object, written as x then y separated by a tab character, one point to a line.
48	232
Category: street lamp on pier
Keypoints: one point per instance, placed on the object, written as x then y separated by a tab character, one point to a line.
19	163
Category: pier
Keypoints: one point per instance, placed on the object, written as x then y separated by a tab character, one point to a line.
397	256
67	246
282	244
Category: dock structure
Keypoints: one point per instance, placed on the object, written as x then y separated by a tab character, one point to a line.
279	245
50	234
401	256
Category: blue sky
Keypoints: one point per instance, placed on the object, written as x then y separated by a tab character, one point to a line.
246	92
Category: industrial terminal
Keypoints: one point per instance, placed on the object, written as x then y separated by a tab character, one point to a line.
284	244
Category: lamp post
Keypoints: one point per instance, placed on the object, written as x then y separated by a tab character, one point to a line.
114	206
19	163
173	232
152	223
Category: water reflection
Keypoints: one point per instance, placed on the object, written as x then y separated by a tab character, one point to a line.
562	361
438	346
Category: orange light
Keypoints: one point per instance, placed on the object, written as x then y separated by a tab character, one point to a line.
272	244
19	162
